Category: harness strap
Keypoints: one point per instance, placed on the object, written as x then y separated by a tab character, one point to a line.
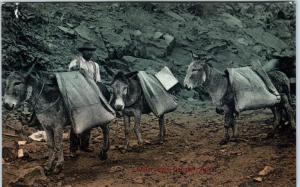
37	98
40	93
52	104
95	71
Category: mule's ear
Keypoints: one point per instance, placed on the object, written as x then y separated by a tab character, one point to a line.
131	74
194	56
120	75
206	66
209	64
31	69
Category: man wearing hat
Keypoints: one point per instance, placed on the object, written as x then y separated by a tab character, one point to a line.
83	61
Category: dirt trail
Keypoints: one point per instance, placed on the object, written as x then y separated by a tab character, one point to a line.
191	155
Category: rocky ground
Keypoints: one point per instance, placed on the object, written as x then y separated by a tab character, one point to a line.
191	155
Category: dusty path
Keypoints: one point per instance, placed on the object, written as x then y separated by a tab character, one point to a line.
191	155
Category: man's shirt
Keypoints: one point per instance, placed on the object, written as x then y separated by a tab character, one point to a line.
89	66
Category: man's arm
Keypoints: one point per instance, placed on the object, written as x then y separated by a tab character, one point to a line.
73	66
98	78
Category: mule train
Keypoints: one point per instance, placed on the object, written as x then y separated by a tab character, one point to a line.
204	75
128	98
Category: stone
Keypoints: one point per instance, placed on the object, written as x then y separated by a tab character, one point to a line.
67	30
232	20
85	33
116	169
38	136
266	171
22	142
137	33
20	153
157	35
170	41
175	16
138	180
258	179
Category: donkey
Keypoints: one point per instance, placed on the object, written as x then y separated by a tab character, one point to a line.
49	110
204	75
128	98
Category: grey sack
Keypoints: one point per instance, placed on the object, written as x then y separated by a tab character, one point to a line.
250	89
159	100
85	103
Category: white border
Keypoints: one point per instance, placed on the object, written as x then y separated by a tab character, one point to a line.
233	1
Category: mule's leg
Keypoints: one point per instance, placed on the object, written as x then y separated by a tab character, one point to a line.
51	152
126	128
274	113
229	119
234	126
85	141
74	143
162	129
276	123
105	148
58	139
137	126
289	111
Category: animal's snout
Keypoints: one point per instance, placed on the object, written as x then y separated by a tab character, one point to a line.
186	84
9	102
9	106
119	104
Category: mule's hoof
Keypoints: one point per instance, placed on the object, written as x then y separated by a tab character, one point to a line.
224	141
270	135
234	139
140	149
47	170
58	168
87	149
219	111
73	154
103	155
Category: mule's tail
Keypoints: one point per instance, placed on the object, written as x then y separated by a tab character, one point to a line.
281	83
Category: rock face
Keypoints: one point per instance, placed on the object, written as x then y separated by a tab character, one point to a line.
140	36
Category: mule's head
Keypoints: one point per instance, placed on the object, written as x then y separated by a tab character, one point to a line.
120	90
197	74
15	90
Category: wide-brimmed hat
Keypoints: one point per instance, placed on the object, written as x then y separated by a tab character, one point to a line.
87	46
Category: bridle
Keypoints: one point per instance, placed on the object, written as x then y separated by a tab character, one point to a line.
208	74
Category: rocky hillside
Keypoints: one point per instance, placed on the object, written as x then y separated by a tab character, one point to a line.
146	36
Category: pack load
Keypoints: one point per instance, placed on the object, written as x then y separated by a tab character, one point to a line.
159	100
252	88
85	103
